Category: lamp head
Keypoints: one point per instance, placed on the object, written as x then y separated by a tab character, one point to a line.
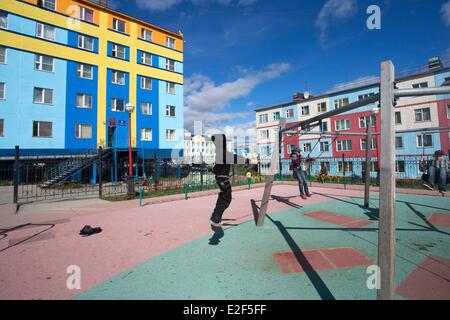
129	107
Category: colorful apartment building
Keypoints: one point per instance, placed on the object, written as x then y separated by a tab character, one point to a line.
412	114
68	68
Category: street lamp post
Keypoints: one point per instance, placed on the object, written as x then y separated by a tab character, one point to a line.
130	108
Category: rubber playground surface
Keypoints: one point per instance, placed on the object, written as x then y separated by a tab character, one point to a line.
314	249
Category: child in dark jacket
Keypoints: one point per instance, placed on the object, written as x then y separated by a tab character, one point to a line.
297	167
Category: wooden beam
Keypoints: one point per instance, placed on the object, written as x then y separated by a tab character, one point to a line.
386	233
368	162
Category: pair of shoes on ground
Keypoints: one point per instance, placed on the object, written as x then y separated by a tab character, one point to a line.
431	187
308	195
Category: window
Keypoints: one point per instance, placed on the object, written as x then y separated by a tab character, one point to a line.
400	166
42	129
146	58
118	51
118	77
305	110
84	71
47	4
345	166
170	43
290	113
324	127
86	14
2	91
322	107
324	146
44	63
146	108
291	147
119	25
398	142
43	96
422	114
146	83
339	103
170	65
45	31
306	147
363	121
344	145
420	85
85	42
170	135
2	55
263	118
365	96
343	124
2	124
264	134
448	111
117	105
146	35
146	134
170	111
3	20
398	117
424	140
170	87
373	145
373	166
276	116
83	131
84	101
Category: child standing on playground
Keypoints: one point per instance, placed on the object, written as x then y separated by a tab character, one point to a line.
438	169
299	173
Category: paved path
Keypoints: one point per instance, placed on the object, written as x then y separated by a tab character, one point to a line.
167	250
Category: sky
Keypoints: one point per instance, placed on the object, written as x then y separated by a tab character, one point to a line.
245	54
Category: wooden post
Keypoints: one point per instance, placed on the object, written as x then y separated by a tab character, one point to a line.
275	166
368	163
386	233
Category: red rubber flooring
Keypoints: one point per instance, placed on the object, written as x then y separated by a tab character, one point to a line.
440	219
320	259
332	217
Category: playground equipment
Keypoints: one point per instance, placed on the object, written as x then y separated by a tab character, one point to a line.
387	100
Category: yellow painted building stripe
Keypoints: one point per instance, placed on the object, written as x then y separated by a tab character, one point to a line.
102	85
59	20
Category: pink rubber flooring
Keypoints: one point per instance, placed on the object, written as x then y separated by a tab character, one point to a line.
440	220
36	269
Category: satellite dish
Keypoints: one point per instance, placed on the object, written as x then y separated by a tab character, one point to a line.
306	95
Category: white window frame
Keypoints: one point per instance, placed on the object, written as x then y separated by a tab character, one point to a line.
116	23
319	107
264	134
170	64
38	129
169	87
143	134
79	131
421	110
5	55
44	91
148	106
146	56
339	103
40	31
274	118
3	96
421	136
39	63
85	99
115	77
419	85
4	14
168	136
144	81
81	71
346	164
82	15
324	127
395	117
82	42
264	117
401	138
114	104
345	121
169	109
373	144
362	121
287	113
340	145
307	108
170	43
307	147
51	6
115	51
144	32
322	144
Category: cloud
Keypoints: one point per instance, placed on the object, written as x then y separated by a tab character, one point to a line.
445	11
334	11
359	82
162	5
